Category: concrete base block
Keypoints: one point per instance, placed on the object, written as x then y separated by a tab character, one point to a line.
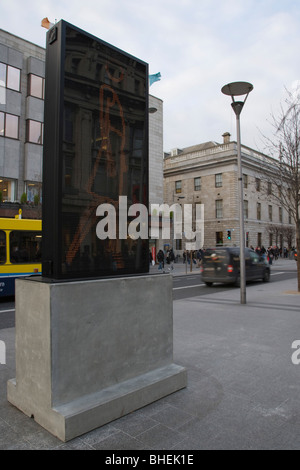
89	352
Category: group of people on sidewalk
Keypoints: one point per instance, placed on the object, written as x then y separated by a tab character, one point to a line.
273	252
169	258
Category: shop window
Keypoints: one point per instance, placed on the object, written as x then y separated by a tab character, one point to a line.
34	192
8	190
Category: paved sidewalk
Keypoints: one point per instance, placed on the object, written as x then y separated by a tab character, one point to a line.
181	268
243	389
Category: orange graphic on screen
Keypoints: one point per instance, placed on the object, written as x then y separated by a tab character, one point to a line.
109	105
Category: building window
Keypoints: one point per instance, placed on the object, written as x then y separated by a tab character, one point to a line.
34	192
269	189
258	184
259	240
1	123
280	214
9	125
247	239
10	77
245	180
2	74
270	213
178	244
246	209
178	187
34	132
258	210
197	184
36	86
270	239
219	238
219	182
219	209
290	216
8	189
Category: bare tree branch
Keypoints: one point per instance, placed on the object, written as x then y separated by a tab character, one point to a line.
281	168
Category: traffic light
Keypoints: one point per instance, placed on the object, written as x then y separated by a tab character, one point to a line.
228	234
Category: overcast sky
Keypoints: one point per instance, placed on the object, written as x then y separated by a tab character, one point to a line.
198	46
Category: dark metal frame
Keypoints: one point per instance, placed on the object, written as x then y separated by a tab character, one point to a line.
53	151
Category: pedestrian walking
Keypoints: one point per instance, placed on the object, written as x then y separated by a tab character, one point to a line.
150	258
161	260
171	259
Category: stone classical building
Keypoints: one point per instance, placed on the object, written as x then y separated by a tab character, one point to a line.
207	174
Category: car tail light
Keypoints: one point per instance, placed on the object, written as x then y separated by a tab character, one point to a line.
201	269
230	268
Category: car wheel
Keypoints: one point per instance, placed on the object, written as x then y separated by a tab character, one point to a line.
209	284
267	276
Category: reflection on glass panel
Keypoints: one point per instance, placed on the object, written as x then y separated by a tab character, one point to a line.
12	126
68	123
104	156
13	78
1	123
36	86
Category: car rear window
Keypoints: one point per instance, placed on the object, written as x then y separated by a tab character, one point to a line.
211	256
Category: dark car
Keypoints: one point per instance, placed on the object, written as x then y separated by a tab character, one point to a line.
222	265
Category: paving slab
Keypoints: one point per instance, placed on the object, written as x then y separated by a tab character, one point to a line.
243	388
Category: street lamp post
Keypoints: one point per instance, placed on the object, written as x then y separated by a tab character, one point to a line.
238	89
178	197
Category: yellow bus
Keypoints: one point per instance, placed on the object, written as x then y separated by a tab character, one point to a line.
20	251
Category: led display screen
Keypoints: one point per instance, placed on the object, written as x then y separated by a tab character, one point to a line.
95	157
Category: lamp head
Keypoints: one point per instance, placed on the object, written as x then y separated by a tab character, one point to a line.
237	89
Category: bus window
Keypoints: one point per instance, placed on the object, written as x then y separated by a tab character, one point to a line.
25	247
2	247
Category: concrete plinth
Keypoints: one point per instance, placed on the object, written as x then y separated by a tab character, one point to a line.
89	352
